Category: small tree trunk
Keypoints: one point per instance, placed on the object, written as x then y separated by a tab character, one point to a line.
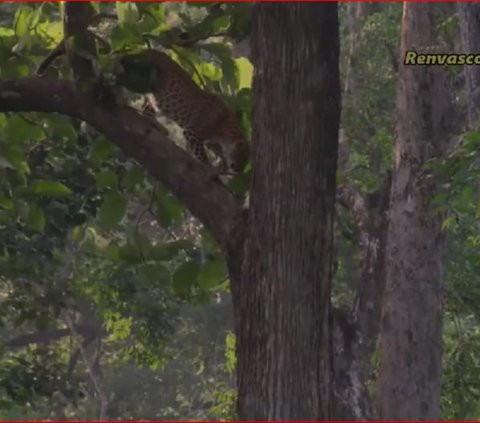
355	335
282	288
411	334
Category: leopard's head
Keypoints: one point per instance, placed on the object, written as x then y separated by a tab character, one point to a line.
137	73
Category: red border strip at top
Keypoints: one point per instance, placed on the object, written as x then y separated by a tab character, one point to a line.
252	1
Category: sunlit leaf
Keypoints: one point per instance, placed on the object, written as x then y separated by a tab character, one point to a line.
127	12
49	188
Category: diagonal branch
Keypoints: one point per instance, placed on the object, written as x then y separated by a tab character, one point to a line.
140	138
48	336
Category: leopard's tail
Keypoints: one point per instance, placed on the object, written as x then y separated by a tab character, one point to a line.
58	51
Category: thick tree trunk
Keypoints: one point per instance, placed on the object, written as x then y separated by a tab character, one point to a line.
470	29
282	288
411	334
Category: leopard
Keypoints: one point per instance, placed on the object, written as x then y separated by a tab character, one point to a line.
206	120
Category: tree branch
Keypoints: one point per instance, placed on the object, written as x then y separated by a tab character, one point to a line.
356	204
97	383
357	331
48	336
139	137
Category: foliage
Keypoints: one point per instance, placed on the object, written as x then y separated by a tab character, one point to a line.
89	238
368	129
458	205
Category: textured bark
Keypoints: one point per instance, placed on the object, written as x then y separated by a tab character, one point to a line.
411	333
81	57
470	28
356	333
282	297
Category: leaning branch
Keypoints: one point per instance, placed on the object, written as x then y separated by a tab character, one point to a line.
140	138
49	336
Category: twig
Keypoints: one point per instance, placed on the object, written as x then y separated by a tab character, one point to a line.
96	383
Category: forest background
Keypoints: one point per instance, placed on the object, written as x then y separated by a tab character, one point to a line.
115	280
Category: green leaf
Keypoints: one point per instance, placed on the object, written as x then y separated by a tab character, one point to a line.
153	17
133	177
240	184
13	157
126	36
6	202
127	12
49	188
212	24
185	277
61	128
210	71
243	99
130	254
212	274
229	65
112	252
154	272
168	209
36	218
106	179
22	17
467	201
448	223
15	67
18	130
230	352
112	210
101	150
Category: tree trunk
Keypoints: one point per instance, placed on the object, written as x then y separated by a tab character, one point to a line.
282	289
470	29
411	334
356	332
